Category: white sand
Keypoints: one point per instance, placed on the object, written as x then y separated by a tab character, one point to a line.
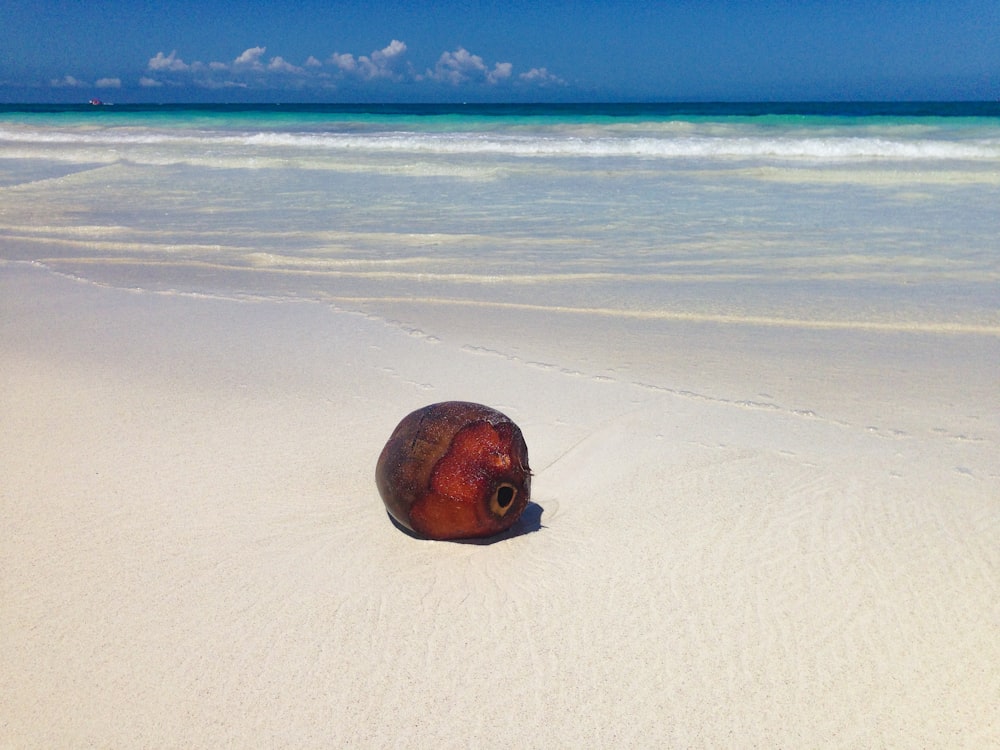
193	552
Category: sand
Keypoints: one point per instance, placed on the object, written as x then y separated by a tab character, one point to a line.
739	546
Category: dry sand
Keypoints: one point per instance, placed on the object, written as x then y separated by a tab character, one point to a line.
193	552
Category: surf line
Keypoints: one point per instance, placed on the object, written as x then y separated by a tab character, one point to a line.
690	317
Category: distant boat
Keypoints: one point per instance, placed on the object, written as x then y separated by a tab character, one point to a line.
96	102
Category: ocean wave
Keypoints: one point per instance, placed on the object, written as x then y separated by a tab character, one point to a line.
829	148
668	144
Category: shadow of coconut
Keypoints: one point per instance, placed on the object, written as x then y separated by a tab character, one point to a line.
529	522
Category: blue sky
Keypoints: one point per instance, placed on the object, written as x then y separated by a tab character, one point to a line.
398	50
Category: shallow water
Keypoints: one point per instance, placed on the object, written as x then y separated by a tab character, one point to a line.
878	218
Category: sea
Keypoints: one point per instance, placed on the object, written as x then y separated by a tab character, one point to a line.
811	216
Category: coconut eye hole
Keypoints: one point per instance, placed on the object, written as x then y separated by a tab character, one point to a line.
502	499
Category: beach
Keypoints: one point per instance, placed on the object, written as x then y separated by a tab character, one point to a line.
765	501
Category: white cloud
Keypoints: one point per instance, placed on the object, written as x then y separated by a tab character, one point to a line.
167	62
250	58
394	49
68	82
344	62
383	62
461	66
251	69
211	84
457	67
148	82
541	76
501	71
280	65
108	83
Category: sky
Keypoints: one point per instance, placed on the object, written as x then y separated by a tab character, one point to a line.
137	51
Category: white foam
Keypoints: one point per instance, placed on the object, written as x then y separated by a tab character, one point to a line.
686	146
662	143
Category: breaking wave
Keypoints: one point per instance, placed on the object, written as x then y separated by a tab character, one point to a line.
668	143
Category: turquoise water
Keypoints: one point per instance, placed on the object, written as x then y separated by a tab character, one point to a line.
879	216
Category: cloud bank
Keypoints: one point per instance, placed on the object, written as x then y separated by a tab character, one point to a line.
254	69
461	66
